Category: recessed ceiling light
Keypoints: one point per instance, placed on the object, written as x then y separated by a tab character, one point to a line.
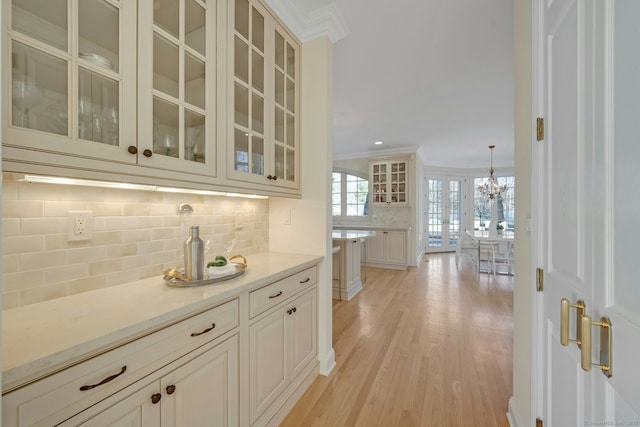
378	143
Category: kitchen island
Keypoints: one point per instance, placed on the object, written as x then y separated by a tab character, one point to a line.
347	280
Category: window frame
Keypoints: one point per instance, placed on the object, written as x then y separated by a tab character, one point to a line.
343	195
509	203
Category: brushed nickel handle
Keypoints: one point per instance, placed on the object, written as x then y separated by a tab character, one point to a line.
606	349
195	334
171	388
104	381
132	149
564	321
147	153
276	295
155	398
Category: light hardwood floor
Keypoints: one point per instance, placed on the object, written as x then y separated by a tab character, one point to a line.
429	346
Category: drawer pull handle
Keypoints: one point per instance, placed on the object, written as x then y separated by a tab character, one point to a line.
171	388
155	398
104	381
195	334
305	280
276	295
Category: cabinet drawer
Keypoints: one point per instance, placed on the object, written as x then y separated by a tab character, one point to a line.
62	395
271	295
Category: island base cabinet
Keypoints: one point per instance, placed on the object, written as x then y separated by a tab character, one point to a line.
200	392
388	249
282	345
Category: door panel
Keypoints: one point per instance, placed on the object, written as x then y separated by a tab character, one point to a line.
619	297
566	237
588	193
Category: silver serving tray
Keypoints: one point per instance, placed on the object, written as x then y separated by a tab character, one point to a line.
179	283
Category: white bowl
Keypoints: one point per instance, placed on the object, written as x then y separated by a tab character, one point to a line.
97	59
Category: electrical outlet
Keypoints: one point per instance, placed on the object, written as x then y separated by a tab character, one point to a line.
80	225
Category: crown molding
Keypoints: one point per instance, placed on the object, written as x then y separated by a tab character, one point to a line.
307	25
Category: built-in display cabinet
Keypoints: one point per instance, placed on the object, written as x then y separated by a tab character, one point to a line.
190	92
389	182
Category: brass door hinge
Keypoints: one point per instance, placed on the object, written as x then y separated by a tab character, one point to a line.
539	423
540	128
539	279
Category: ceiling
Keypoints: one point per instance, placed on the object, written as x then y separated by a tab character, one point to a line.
430	77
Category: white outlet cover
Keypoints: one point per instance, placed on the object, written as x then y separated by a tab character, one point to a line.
73	226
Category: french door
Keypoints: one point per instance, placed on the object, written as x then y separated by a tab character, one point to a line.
586	196
444	212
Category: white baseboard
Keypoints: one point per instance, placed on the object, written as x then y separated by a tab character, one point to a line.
327	362
513	416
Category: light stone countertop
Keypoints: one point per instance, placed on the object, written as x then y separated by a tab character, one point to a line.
371	227
43	338
352	234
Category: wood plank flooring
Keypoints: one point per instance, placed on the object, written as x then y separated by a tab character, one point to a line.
429	346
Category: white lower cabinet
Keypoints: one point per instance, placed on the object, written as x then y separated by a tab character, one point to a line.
282	343
199	392
190	373
388	249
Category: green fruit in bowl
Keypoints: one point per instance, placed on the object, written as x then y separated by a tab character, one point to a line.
220	261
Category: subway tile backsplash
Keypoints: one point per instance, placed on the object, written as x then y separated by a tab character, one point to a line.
136	234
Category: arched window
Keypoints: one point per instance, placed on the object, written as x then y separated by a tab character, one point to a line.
350	194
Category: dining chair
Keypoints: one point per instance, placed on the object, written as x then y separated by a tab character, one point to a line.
467	248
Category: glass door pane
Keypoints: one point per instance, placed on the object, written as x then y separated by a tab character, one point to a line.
434	213
43	20
249	97
38	90
455	212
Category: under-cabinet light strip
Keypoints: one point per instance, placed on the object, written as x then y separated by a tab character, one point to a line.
127	186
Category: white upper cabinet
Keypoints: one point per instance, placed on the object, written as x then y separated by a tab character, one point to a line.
389	182
191	93
72	77
264	99
177	85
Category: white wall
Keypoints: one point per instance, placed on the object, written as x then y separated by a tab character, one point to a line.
310	228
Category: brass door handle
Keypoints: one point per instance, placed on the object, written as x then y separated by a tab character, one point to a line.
564	321
606	349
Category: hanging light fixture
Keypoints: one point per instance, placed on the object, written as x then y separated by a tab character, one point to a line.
490	187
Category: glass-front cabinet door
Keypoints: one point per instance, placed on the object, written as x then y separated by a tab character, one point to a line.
389	182
177	85
285	110
72	78
264	63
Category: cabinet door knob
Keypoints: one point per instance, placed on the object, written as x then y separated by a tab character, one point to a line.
147	153
171	388
132	149
155	398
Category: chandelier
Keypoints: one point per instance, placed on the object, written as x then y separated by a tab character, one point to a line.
490	187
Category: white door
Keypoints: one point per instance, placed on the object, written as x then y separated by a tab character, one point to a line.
444	213
588	206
